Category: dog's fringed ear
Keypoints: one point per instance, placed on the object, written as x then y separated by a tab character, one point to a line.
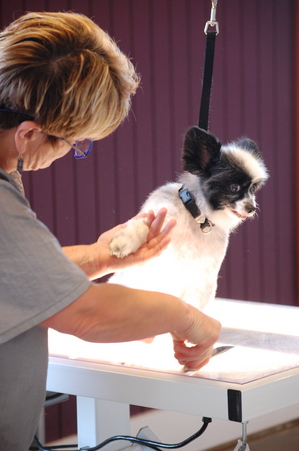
249	145
201	150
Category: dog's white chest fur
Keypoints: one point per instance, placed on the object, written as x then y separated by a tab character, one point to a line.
188	268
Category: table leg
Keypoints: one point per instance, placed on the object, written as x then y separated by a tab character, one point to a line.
99	419
242	445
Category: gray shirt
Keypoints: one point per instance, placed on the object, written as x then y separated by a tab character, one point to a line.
36	281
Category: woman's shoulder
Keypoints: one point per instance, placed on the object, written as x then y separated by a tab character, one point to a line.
4	175
12	197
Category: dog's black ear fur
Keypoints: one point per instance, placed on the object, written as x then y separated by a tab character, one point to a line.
201	150
249	145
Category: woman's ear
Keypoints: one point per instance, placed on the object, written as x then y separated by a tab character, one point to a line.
25	134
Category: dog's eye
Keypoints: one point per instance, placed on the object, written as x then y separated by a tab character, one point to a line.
253	188
235	188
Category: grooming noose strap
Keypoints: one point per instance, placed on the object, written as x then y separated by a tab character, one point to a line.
204	112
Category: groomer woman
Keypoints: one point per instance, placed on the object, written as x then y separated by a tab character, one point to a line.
63	84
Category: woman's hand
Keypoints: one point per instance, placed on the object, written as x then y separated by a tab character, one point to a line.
96	261
193	348
157	240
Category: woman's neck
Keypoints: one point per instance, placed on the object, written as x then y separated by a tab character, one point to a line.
8	151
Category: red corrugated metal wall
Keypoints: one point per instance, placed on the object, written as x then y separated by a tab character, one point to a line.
252	95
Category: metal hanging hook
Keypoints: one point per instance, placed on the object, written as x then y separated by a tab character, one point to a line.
212	22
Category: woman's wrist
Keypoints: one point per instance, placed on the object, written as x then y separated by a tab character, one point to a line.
87	258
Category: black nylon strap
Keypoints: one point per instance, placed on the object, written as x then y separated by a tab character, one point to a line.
204	113
189	202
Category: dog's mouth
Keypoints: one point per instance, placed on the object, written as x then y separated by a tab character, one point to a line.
238	215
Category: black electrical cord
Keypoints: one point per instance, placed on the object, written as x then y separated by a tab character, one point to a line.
155	445
149	443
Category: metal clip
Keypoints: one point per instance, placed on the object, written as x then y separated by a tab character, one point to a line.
200	219
206	227
212	22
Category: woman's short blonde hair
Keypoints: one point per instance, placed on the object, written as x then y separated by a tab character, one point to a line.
65	72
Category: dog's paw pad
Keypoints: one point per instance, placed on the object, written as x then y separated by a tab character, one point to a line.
128	240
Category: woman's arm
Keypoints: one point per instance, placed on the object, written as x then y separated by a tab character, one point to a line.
113	313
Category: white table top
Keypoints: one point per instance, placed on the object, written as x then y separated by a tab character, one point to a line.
238	385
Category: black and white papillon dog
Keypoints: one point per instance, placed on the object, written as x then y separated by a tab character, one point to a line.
214	194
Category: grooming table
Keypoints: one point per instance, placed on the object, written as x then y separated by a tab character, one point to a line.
258	376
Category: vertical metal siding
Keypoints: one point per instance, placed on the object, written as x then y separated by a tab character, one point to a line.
252	95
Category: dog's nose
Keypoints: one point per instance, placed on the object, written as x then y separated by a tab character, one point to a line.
250	208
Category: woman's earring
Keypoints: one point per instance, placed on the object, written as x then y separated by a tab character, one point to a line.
20	163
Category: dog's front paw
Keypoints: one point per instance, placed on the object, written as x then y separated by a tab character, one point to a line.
129	239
